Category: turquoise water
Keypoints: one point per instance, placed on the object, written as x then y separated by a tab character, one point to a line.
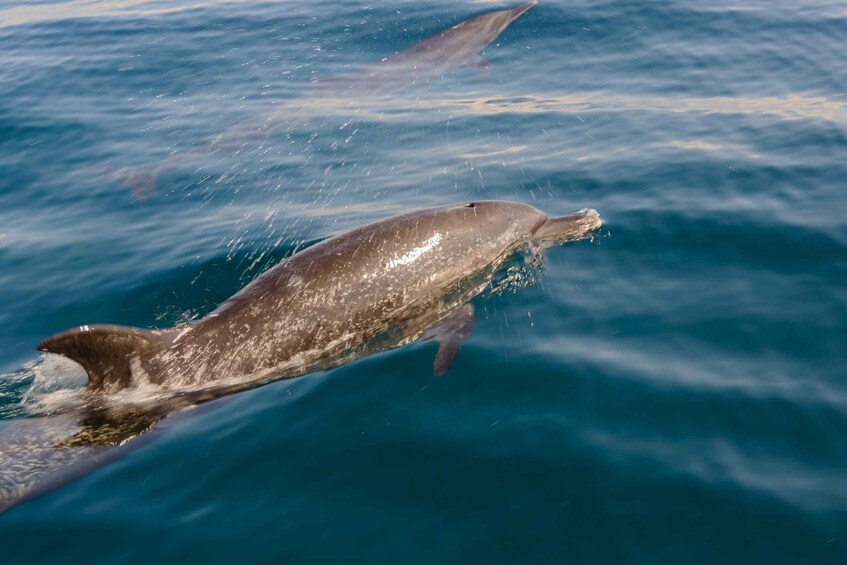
673	390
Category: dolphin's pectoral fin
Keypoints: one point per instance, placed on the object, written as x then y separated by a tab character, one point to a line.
448	350
104	351
449	334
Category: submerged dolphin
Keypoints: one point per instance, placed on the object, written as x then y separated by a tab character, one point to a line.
331	302
432	58
455	47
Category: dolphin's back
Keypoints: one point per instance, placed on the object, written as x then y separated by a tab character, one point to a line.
349	287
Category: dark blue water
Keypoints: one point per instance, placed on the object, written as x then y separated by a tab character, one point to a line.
673	391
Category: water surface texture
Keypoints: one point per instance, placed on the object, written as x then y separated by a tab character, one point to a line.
672	391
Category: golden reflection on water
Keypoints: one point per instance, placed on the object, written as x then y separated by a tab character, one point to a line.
695	144
357	106
791	107
492	152
29	14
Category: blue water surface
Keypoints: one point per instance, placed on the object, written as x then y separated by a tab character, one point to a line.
673	391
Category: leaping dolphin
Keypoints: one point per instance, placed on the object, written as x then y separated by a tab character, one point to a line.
458	46
331	302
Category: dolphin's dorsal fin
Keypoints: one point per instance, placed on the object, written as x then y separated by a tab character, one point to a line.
449	334
104	351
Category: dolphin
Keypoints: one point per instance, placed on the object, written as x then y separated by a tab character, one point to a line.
455	47
432	58
334	301
374	288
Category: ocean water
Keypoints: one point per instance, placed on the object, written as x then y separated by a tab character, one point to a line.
674	390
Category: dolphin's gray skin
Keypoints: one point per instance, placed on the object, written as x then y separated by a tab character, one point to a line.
455	47
371	289
316	307
432	58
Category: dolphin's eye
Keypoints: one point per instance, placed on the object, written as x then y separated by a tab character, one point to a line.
470	205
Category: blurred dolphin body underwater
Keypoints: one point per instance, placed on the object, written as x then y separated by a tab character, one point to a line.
432	58
371	289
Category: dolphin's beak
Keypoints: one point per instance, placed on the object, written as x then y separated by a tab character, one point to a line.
569	228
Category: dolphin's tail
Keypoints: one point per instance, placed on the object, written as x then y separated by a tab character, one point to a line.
141	182
106	352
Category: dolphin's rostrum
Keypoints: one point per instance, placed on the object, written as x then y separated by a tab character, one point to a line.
375	287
